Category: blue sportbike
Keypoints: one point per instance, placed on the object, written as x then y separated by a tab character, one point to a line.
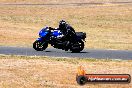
54	38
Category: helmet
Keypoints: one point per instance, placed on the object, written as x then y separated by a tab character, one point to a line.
62	24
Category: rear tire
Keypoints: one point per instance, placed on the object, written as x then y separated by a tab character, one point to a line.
80	47
39	45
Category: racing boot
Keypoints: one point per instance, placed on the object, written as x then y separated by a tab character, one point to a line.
67	45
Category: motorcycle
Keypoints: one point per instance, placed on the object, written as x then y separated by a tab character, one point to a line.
54	38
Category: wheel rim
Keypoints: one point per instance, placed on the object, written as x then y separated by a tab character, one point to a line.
39	45
78	44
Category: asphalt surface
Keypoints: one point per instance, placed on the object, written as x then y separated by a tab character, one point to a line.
86	53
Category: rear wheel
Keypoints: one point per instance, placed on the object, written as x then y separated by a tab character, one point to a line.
39	45
77	47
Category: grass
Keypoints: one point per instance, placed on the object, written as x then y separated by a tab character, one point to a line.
107	26
46	72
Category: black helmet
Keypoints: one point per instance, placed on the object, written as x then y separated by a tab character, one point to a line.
62	24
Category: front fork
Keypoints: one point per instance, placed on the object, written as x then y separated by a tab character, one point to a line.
43	40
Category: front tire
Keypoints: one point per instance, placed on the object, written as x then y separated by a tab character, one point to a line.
39	45
77	47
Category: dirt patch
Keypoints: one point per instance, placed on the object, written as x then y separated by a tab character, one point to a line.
61	1
107	26
42	72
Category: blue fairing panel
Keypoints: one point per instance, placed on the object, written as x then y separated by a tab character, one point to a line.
43	32
56	33
39	39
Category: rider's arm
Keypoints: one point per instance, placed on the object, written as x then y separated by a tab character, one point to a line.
71	31
50	28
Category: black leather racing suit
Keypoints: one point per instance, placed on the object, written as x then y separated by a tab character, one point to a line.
69	34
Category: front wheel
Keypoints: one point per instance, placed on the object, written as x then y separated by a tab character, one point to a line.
77	46
39	45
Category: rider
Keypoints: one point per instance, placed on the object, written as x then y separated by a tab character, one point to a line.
68	32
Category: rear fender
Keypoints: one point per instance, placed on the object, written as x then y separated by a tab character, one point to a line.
81	35
79	39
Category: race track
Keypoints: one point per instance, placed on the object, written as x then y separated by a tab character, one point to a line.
86	53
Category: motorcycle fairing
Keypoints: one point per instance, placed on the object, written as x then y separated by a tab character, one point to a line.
56	33
40	39
44	32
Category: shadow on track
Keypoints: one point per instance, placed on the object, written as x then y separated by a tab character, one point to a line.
47	51
77	52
